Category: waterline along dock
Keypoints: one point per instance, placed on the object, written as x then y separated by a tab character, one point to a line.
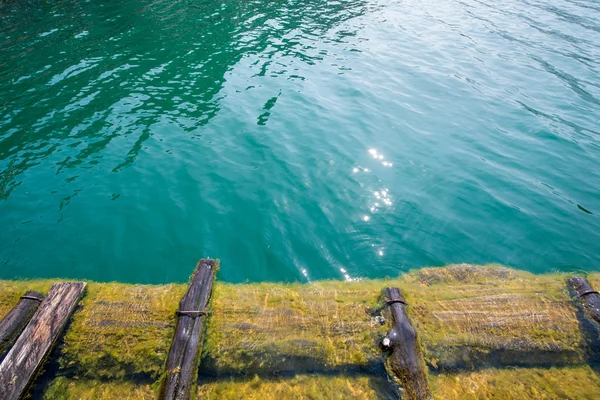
456	332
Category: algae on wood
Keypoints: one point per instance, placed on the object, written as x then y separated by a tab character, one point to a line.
469	316
121	331
299	387
63	388
576	383
465	315
325	335
568	383
265	328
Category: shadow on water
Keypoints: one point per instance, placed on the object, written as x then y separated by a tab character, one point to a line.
379	381
291	367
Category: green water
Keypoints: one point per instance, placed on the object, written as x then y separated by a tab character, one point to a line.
297	140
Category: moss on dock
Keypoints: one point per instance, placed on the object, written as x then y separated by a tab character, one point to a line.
577	383
117	330
275	388
471	316
465	316
122	330
68	389
302	387
273	327
320	339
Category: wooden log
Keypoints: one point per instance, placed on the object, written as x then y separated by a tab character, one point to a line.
14	322
182	363
23	361
590	299
405	361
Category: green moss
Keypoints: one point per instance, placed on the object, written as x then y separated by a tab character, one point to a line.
270	327
494	315
297	387
521	383
65	389
466	317
121	330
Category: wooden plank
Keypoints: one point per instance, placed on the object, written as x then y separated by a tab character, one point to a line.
405	361
23	361
14	322
182	364
590	299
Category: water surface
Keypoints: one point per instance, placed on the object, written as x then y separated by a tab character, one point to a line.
297	140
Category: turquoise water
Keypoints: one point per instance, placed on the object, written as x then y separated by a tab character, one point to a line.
297	140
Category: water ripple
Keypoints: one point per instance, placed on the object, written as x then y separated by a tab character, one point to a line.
297	141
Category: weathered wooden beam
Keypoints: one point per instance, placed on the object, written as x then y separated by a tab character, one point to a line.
23	361
590	299
14	322
182	364
405	361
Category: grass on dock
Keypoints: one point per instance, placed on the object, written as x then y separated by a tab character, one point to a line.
122	330
465	316
117	330
470	319
577	383
301	387
469	316
269	327
68	389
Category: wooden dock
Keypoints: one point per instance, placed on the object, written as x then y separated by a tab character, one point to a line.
182	364
31	349
405	361
590	299
331	339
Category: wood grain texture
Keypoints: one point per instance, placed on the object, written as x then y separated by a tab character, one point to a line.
14	322
182	364
587	295
405	361
23	361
